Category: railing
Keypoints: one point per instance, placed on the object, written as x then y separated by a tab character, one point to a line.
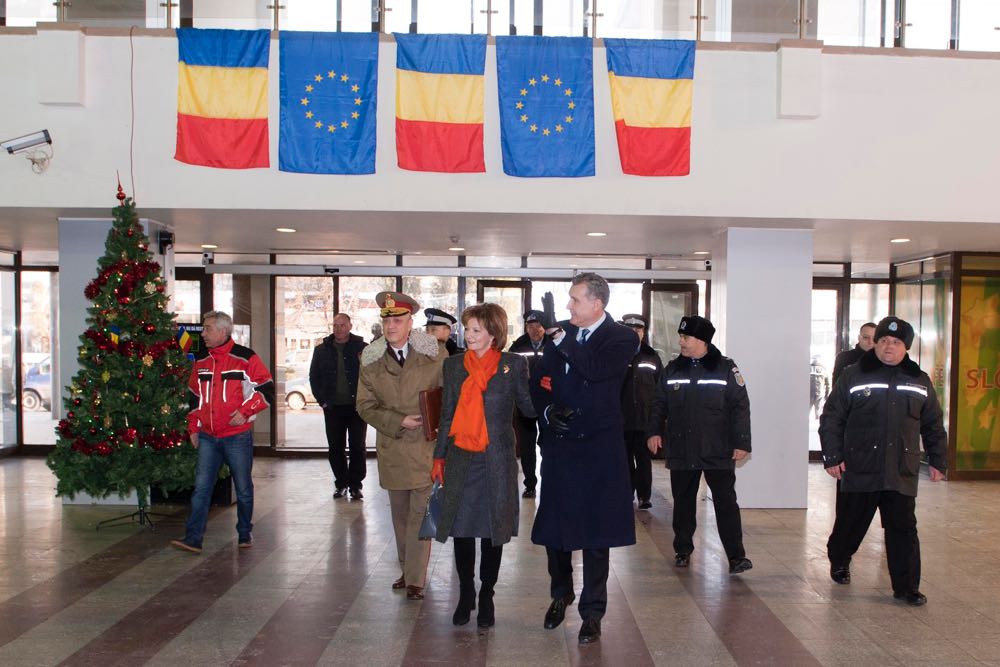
929	24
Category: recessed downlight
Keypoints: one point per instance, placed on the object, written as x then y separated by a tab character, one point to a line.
701	252
209	246
456	248
597	234
359	261
285	230
899	240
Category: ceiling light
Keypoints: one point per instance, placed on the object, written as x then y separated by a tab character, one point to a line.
702	252
596	234
285	230
359	261
899	240
456	248
209	246
671	267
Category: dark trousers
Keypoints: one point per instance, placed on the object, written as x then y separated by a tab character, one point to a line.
902	547
640	464
343	427
594	598
684	486
527	435
465	564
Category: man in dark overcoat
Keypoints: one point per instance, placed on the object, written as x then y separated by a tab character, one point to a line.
586	495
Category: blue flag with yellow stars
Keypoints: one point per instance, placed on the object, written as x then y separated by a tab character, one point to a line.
328	93
546	87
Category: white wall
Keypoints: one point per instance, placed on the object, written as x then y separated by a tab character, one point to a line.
903	138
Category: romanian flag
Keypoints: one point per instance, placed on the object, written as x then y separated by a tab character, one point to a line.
329	82
546	94
222	97
439	102
114	333
183	339
652	83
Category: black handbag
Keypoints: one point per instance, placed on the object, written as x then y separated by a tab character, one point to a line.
435	505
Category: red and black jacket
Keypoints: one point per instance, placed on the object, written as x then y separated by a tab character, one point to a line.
224	379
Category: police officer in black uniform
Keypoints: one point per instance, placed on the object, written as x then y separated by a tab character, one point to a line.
439	324
637	395
703	399
529	345
870	431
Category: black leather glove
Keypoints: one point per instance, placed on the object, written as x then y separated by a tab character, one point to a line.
548	311
559	417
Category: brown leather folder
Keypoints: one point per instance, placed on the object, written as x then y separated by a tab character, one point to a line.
430	411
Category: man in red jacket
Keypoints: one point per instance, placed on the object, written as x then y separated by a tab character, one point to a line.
229	385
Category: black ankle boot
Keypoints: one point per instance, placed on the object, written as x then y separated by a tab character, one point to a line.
486	617
466	603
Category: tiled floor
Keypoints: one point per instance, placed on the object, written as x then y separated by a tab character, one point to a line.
314	589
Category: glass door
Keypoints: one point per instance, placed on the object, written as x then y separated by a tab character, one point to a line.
825	342
8	396
39	356
511	295
667	304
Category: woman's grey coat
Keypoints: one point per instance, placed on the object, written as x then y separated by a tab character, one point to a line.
505	389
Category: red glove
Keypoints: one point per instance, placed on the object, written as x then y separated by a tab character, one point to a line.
437	471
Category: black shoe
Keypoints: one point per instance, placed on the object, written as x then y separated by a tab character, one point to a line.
645	504
590	631
682	560
913	598
339	493
737	565
486	618
245	542
357	495
557	611
528	493
840	574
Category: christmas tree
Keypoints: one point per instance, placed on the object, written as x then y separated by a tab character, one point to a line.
126	415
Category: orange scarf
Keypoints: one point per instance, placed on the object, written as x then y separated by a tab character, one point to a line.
469	424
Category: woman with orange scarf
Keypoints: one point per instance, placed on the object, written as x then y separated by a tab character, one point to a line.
476	447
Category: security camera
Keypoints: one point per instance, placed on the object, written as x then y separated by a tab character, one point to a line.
26	142
708	264
207	258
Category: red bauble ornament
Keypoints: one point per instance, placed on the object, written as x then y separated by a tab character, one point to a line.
70	414
130	433
130	232
160	289
138	398
140	375
93	430
77	401
149	329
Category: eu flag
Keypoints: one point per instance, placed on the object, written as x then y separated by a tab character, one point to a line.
328	93
546	87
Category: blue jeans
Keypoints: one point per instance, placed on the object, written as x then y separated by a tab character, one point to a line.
236	451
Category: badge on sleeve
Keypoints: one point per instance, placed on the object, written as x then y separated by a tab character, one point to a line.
738	377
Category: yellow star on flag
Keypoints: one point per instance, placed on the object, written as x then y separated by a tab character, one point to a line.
532	81
519	106
309	88
533	127
571	105
331	74
558	82
343	123
524	91
568	92
331	128
304	101
309	114
559	128
344	77
545	78
569	119
319	124
355	115
357	101
546	132
355	88
318	78
524	118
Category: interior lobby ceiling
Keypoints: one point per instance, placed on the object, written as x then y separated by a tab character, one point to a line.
374	232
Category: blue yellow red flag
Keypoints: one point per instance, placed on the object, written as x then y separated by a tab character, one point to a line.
546	93
328	87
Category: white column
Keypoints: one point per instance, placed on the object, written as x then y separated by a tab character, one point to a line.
761	308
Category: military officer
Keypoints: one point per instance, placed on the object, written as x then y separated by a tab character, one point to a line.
703	399
870	432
